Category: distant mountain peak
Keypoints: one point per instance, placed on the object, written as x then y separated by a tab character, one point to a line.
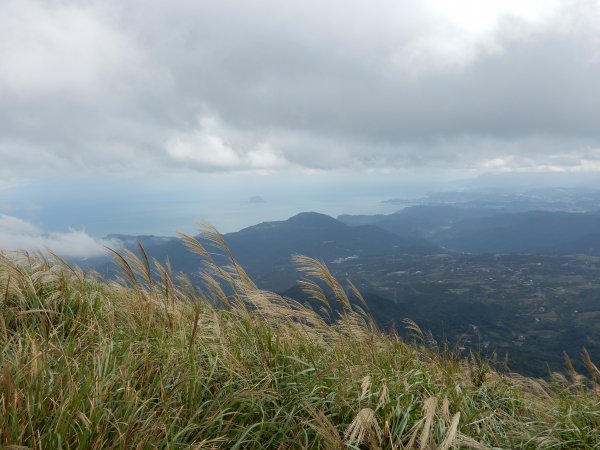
313	219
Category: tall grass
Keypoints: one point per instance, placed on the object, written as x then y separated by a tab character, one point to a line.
151	361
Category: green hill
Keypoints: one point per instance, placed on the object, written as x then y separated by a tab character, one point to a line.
487	230
265	249
150	362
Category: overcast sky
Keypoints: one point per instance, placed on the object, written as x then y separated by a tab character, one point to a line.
203	95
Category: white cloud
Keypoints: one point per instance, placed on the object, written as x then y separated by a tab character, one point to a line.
574	162
214	145
481	16
18	234
263	156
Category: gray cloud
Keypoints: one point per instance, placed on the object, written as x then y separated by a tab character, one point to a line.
268	86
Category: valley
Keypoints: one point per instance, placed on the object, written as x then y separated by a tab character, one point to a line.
445	267
527	308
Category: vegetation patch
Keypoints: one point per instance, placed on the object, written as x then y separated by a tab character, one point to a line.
152	361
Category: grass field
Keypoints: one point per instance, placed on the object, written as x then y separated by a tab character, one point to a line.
149	361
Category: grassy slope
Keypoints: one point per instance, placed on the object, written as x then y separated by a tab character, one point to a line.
151	363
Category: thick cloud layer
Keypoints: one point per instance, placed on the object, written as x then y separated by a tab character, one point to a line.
17	234
267	86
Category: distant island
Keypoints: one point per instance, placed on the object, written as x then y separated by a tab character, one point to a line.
257	199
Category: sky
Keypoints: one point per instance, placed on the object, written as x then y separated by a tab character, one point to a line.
140	117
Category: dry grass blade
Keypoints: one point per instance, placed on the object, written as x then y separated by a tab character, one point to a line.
236	278
135	262
162	274
215	289
363	426
244	281
368	317
211	234
194	245
538	387
576	379
452	433
313	290
317	269
357	293
590	366
170	281
466	441
559	379
384	397
365	387
145	265
125	267
569	366
60	260
7	389
6	290
15	267
445	409
429	407
37	311
325	429
187	287
196	320
411	325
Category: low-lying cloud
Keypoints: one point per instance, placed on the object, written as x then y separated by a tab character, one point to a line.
18	234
